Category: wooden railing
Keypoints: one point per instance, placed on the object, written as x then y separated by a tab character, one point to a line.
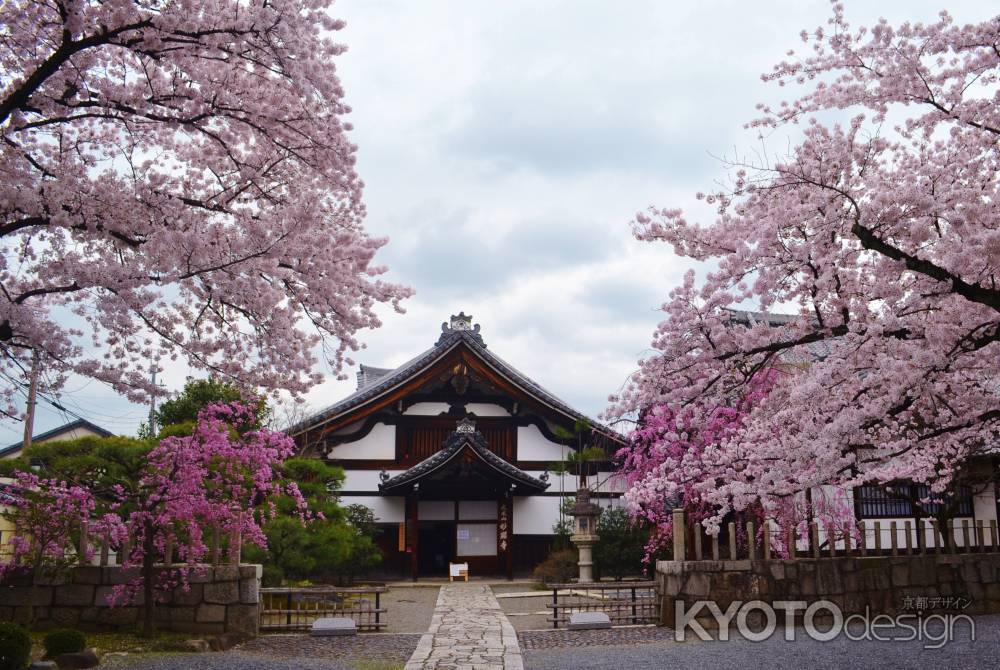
852	538
295	609
625	603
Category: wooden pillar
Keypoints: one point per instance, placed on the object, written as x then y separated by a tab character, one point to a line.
411	541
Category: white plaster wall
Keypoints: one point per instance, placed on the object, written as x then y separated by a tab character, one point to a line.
984	504
380	443
532	446
535	515
427	408
349	428
436	510
604	482
569	482
486	409
612	482
387	510
364	480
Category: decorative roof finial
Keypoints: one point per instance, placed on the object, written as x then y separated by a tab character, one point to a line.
461	325
466	425
461	321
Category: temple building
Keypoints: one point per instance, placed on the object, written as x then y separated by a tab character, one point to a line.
458	454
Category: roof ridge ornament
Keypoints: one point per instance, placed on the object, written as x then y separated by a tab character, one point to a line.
466	425
460	325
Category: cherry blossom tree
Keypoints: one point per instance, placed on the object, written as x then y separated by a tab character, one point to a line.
47	516
881	237
223	478
176	180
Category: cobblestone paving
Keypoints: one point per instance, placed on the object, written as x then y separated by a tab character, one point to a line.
468	631
557	639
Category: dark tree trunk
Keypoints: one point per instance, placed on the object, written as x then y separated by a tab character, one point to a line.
148	590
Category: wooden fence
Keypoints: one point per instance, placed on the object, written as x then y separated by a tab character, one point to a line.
853	538
624	602
295	609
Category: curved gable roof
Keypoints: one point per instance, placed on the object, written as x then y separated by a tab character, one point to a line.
453	446
451	338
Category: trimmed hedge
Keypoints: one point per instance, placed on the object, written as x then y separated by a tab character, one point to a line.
64	641
15	647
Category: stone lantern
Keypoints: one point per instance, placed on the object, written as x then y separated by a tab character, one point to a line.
584	535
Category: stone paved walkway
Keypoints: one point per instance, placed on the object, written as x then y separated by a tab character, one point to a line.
468	631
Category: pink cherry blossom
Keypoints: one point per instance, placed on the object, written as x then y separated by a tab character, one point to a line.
880	236
177	180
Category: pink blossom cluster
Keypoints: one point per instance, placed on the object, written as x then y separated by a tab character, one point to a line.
47	515
881	237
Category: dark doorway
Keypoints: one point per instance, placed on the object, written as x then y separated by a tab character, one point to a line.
435	546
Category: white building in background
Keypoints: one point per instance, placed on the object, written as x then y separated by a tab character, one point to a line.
452	451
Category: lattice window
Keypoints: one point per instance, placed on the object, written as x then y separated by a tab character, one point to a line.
903	500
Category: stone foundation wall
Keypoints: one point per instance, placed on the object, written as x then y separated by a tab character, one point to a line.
220	599
884	584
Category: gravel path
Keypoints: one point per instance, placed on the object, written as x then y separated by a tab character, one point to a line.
529	613
557	639
410	608
961	654
287	652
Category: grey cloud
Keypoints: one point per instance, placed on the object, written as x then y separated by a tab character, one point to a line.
450	255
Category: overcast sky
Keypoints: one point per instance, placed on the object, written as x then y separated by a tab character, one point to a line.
506	146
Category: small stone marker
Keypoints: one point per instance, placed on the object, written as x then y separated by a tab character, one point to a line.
589	621
330	626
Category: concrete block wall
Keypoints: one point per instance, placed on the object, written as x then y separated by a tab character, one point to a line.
220	599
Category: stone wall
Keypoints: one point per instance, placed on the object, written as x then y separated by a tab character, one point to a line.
220	599
884	584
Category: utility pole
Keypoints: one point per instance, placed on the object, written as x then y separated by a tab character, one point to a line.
29	418
152	403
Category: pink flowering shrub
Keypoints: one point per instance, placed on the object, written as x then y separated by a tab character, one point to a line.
47	515
674	459
219	477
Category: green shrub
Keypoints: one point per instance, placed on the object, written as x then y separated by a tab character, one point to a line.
272	575
560	567
15	647
621	545
64	641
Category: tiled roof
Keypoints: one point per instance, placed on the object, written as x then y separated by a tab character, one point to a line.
814	351
368	374
450	338
452	446
65	428
749	318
